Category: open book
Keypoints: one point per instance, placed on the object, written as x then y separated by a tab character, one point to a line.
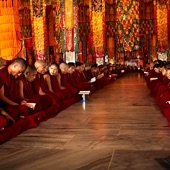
93	80
84	92
153	78
30	105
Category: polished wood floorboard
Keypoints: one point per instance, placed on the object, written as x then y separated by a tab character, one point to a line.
118	128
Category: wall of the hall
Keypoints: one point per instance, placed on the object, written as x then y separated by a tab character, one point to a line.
51	26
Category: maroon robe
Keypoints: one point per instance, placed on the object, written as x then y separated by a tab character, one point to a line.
3	122
63	93
64	82
40	82
162	82
164	97
42	102
88	75
10	91
78	80
161	90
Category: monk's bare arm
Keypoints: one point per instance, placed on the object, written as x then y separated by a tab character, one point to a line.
48	80
59	81
21	87
21	90
41	92
5	99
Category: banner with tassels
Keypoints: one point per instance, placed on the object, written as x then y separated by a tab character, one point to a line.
10	38
39	27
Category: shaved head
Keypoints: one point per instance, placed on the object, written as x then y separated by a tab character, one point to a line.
41	66
22	62
30	68
63	66
39	63
30	73
17	67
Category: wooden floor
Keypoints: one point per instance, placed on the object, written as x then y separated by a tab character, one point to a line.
118	128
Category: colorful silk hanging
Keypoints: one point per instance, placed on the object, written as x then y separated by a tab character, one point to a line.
39	27
63	30
50	20
58	26
76	42
127	23
97	24
162	25
10	38
168	19
69	24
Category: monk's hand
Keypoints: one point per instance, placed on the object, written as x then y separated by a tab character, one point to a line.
42	93
23	102
8	117
3	112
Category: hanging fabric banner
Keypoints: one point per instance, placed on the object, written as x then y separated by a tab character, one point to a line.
69	24
69	39
50	23
10	38
162	25
69	13
63	30
39	27
97	24
127	25
76	42
58	26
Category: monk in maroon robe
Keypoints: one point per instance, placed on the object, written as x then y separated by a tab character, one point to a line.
163	98
149	72
157	75
76	77
27	93
59	90
10	101
87	71
64	80
42	83
162	79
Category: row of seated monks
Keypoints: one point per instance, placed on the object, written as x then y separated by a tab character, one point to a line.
30	94
157	75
